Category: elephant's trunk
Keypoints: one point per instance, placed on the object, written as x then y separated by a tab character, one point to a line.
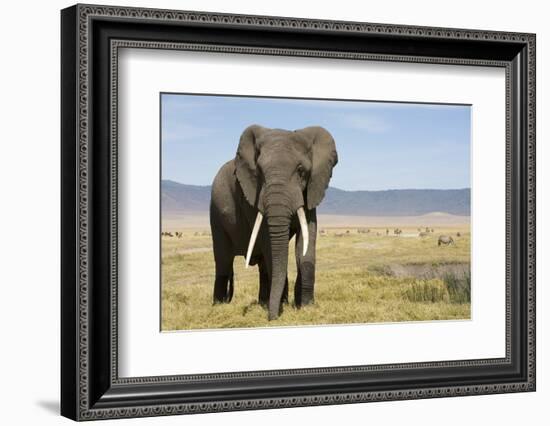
278	229
278	213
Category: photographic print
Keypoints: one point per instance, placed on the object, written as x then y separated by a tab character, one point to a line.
328	186
293	212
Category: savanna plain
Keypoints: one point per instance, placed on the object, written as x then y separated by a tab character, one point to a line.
368	270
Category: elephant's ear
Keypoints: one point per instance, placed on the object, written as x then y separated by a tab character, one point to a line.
245	163
324	158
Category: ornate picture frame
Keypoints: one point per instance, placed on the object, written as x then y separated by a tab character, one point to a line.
91	37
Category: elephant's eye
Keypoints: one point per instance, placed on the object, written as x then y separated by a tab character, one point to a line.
301	170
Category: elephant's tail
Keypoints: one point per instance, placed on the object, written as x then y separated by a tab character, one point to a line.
230	289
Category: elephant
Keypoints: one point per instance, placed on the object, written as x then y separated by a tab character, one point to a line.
282	176
445	239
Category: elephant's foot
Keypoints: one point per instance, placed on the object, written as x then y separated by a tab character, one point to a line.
306	300
223	289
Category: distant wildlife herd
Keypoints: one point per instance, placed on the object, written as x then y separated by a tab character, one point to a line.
171	234
443	240
180	234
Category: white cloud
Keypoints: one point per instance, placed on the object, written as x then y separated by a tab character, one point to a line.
366	122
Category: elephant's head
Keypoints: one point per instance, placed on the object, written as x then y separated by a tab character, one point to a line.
283	173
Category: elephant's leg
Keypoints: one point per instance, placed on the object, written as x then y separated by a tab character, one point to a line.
298	285
263	293
305	280
223	284
223	257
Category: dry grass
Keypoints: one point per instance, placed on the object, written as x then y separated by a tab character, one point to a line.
352	281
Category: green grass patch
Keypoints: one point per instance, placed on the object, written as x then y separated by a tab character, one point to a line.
459	287
428	291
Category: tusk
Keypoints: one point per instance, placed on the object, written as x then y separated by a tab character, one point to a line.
253	237
303	227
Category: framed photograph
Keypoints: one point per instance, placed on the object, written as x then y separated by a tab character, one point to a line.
263	212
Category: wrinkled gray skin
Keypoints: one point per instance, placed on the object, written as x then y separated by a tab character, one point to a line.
275	172
445	239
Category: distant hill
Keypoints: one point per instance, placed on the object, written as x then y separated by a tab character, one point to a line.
180	198
396	202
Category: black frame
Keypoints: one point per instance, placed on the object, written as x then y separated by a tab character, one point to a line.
91	37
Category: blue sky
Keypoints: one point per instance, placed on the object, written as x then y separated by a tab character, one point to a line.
380	145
